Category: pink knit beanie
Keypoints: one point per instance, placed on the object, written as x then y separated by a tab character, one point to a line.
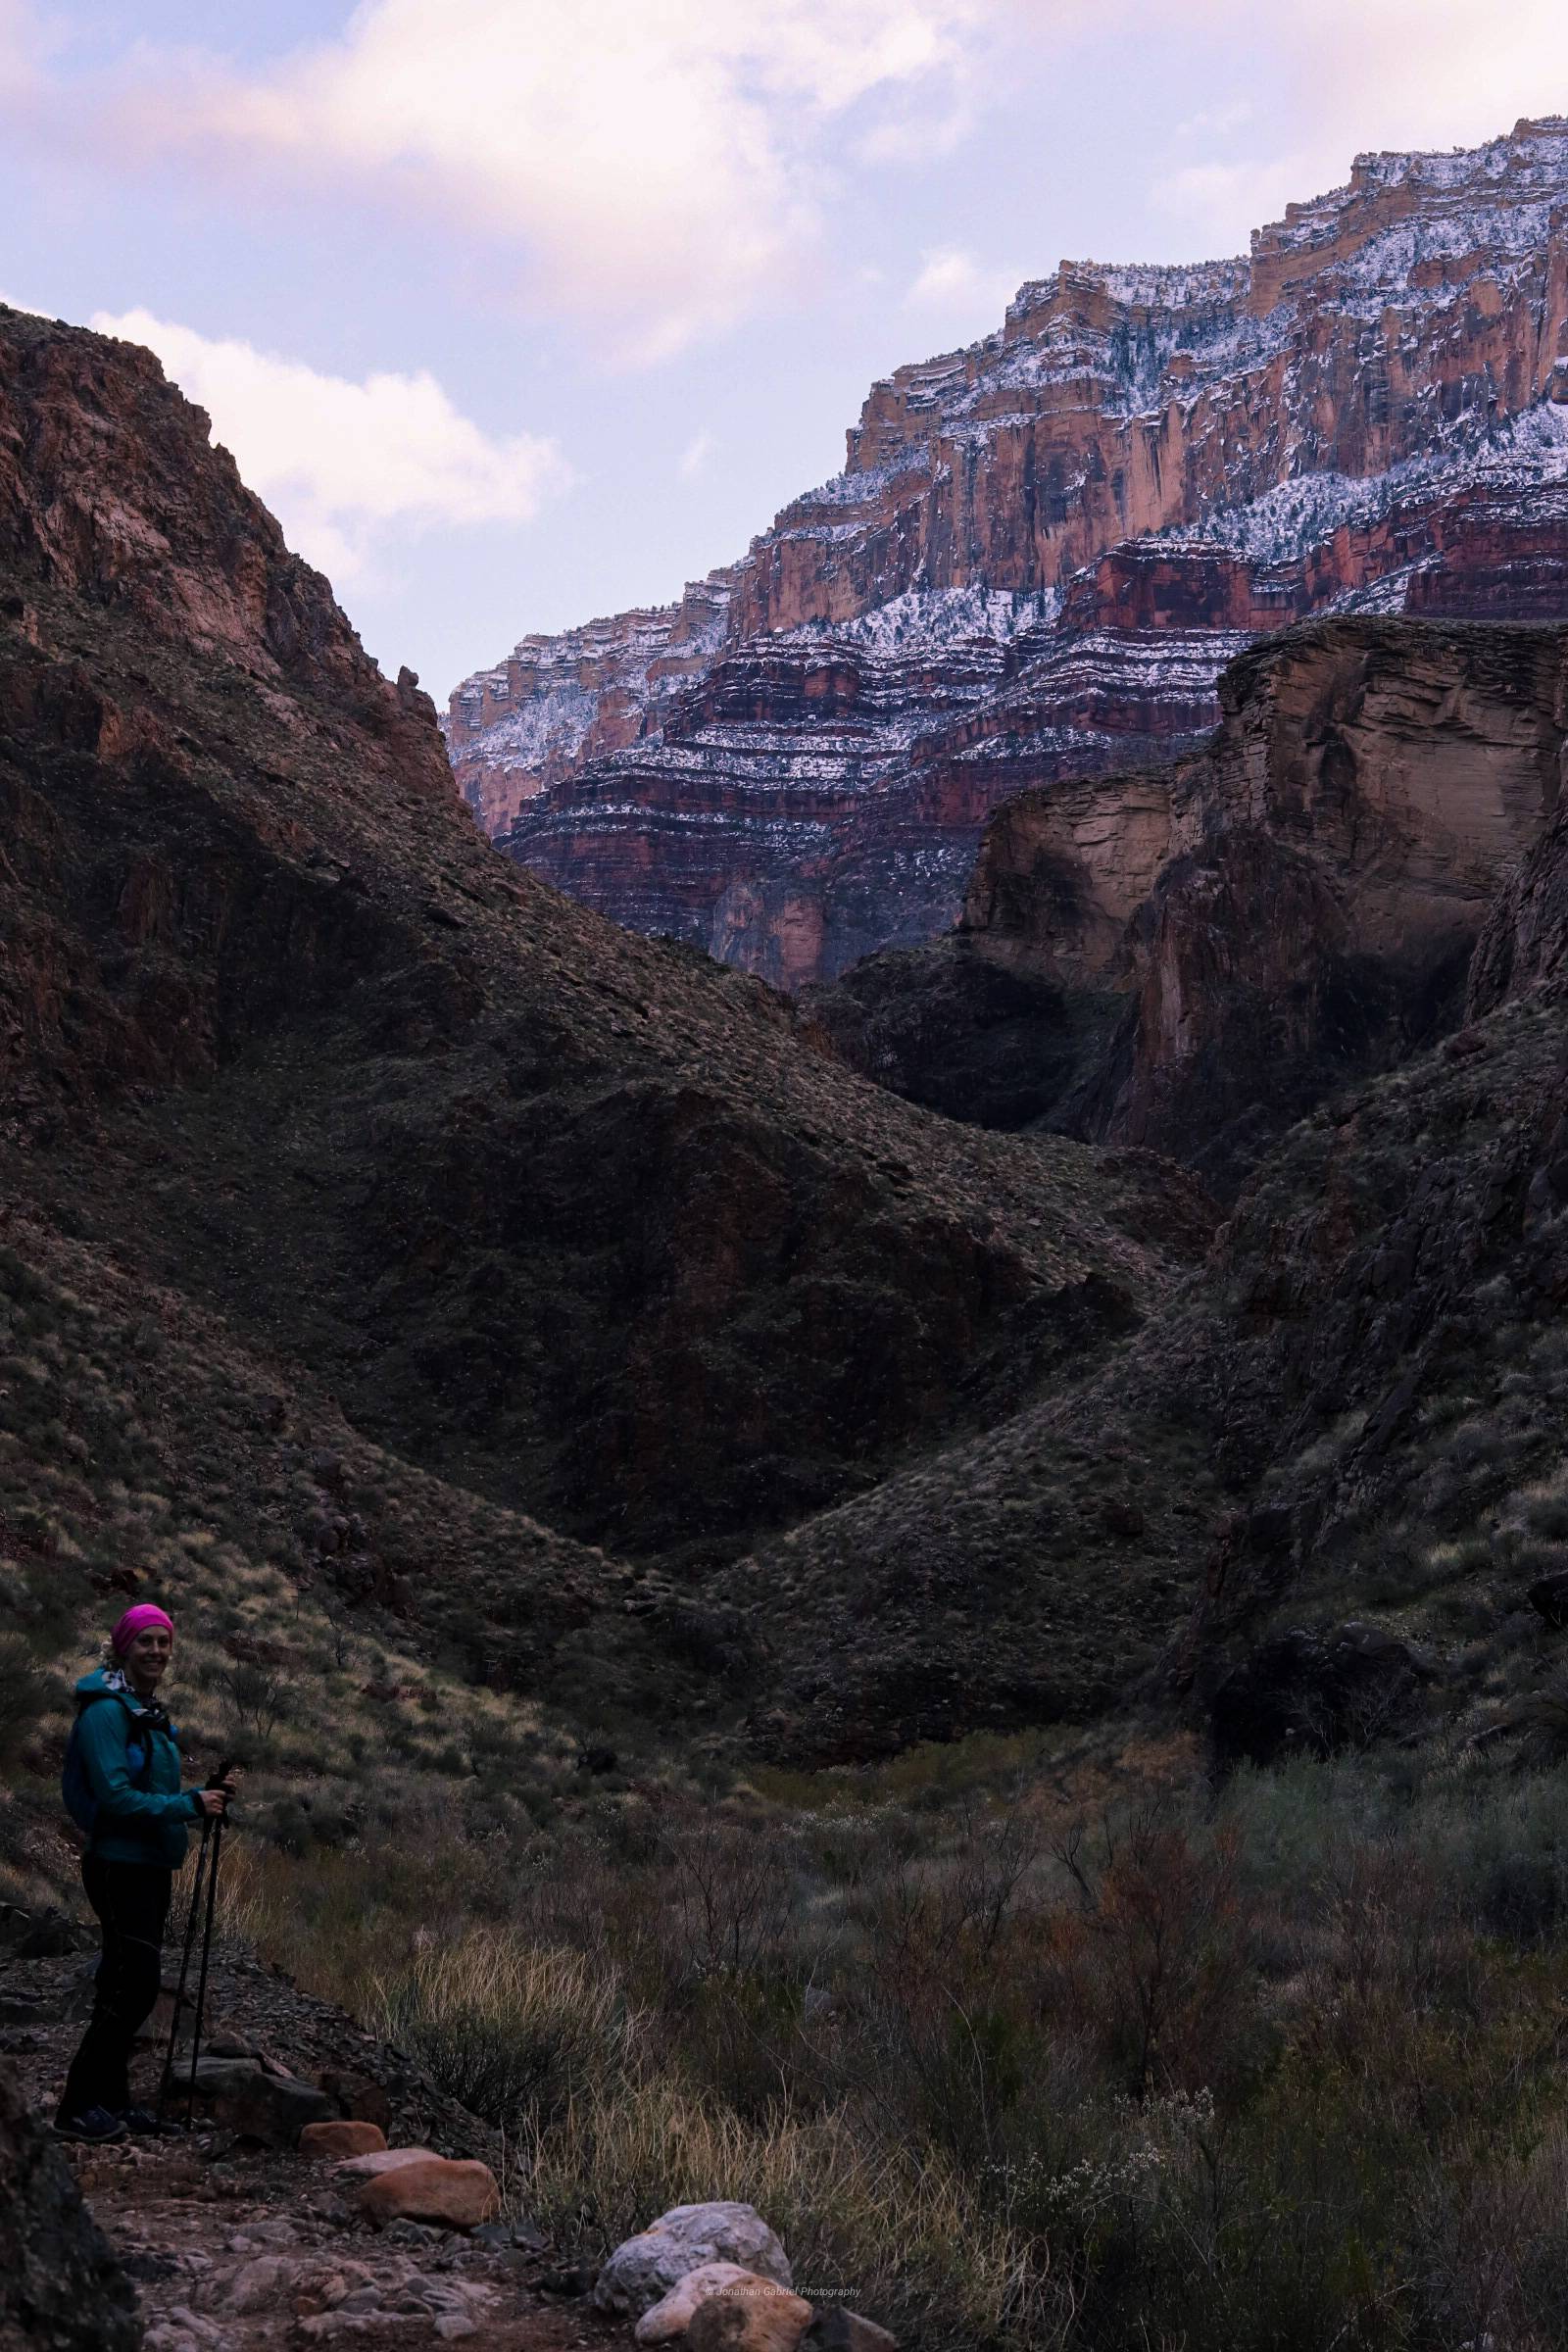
136	1621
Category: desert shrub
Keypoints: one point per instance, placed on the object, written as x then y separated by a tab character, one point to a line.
1152	1964
258	1695
515	2031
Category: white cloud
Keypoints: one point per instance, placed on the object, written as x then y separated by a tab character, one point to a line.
342	463
655	162
694	456
952	282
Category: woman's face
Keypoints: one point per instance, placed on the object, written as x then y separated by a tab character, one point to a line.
148	1656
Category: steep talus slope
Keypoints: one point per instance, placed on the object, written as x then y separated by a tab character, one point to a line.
571	1217
1187	960
1044	550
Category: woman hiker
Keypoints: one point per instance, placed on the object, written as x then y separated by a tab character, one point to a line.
122	1777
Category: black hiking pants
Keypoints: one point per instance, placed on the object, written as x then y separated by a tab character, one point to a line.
131	1900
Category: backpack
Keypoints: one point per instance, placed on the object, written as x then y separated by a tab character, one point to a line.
75	1788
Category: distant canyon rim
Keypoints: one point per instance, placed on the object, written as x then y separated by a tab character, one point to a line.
1041	553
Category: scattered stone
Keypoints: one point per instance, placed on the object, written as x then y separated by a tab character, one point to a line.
643	2269
26	2009
261	2285
460	2194
571	2278
50	1935
845	2332
343	2138
277	2229
206	2331
758	2316
523	2236
671	2317
147	2263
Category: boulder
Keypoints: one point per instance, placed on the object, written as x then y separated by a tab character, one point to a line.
756	2316
456	2194
845	2332
60	2287
643	2269
669	2318
1310	1694
254	2101
342	2137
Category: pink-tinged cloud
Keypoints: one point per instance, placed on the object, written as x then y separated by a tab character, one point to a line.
1398	74
657	163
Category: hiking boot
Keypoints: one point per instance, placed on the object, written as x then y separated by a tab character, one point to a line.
94	2122
143	2125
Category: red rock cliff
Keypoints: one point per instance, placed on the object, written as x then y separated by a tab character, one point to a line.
1042	552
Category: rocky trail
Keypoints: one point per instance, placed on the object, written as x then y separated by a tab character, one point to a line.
235	2243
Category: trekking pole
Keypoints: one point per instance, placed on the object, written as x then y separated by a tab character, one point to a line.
201	1981
168	2074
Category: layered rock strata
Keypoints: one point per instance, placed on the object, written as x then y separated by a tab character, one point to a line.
1187	958
1043	551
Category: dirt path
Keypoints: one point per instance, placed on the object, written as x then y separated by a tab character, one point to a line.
236	2247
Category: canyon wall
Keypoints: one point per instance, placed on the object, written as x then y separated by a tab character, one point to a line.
1041	554
1187	960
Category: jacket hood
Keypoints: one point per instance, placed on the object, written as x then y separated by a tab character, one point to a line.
105	1682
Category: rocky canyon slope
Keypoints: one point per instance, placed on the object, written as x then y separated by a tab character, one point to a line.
1319	1480
1041	553
565	1290
571	1221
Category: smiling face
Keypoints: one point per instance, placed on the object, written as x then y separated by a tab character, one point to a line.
148	1658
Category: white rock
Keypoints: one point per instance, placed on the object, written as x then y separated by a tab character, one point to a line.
453	2325
383	2160
643	2269
671	2315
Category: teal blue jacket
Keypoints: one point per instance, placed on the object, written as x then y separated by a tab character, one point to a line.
141	1819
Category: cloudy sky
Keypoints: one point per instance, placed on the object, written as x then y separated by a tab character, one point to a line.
521	311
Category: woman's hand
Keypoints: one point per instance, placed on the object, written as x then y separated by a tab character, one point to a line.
214	1802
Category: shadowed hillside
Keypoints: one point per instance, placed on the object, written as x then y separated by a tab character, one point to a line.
571	1218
